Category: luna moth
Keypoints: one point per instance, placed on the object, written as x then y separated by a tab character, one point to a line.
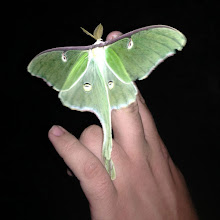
99	77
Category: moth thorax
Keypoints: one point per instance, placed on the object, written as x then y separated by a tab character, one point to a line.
98	54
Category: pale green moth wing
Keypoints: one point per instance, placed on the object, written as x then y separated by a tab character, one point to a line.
141	51
99	78
53	67
98	90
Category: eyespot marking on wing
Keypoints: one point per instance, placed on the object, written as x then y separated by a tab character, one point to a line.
87	87
110	84
64	57
130	44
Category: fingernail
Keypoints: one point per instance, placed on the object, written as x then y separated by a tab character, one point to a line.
57	130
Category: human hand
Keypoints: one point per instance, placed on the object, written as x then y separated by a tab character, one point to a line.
148	185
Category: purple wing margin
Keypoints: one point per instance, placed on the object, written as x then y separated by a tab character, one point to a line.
105	43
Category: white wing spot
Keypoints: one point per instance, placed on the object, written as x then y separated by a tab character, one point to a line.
110	85
64	58
130	44
87	87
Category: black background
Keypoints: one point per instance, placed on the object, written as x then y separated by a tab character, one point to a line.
182	93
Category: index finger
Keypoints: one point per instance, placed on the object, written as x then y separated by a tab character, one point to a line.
94	179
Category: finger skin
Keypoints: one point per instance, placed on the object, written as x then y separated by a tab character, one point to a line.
92	138
128	129
94	179
113	35
72	151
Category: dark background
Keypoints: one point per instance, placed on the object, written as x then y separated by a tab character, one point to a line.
182	93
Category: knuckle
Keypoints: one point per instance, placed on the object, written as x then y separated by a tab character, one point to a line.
92	169
68	148
90	132
103	189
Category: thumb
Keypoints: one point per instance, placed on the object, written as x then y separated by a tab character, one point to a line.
91	173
